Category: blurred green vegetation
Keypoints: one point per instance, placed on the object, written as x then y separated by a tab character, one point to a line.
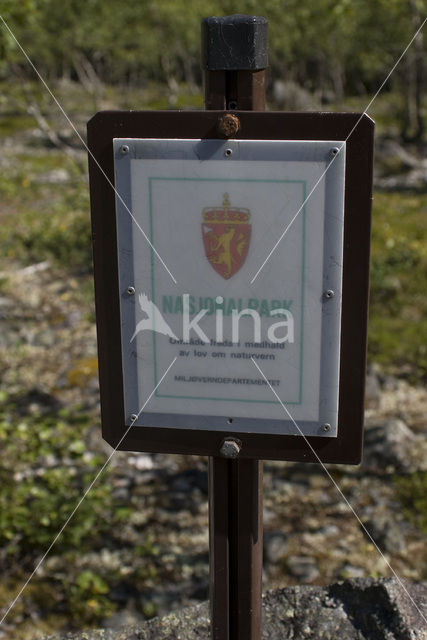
335	48
43	220
63	237
44	468
88	598
412	492
398	301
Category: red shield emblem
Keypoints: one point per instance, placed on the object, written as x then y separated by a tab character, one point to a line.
226	235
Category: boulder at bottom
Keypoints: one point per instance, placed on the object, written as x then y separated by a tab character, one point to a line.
357	609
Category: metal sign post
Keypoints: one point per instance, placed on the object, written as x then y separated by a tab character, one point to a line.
211	192
234	51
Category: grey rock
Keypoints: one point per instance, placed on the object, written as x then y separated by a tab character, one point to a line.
303	567
121	494
189	479
6	302
141	461
289	95
389	382
125	618
372	390
275	546
329	530
9	335
387	532
348	571
35	401
388	445
56	176
356	609
44	338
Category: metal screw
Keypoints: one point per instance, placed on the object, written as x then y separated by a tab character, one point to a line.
131	290
334	151
228	152
133	417
228	125
230	449
329	293
326	427
124	149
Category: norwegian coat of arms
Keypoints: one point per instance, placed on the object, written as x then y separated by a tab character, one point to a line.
226	235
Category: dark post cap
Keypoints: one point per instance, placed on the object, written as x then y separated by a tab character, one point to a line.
234	43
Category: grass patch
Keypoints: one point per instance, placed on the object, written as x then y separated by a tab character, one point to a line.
412	493
63	238
398	305
43	468
43	220
11	124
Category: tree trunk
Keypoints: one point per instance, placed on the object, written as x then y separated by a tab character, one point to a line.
413	84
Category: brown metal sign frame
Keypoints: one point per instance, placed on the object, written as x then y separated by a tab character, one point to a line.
358	131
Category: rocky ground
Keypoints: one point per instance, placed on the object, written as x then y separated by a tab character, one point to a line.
310	536
353	609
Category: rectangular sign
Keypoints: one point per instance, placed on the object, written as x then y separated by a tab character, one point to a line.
251	233
231	281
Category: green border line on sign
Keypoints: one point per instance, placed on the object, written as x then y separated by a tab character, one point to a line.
304	189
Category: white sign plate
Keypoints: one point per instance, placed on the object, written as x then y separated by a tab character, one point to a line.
252	234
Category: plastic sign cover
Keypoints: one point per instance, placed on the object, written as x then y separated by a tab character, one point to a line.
230	260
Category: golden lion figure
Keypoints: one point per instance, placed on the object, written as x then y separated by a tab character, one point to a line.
223	242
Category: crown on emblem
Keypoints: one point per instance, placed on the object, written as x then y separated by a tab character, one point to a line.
226	213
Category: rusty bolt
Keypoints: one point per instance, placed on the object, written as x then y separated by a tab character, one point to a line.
228	125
